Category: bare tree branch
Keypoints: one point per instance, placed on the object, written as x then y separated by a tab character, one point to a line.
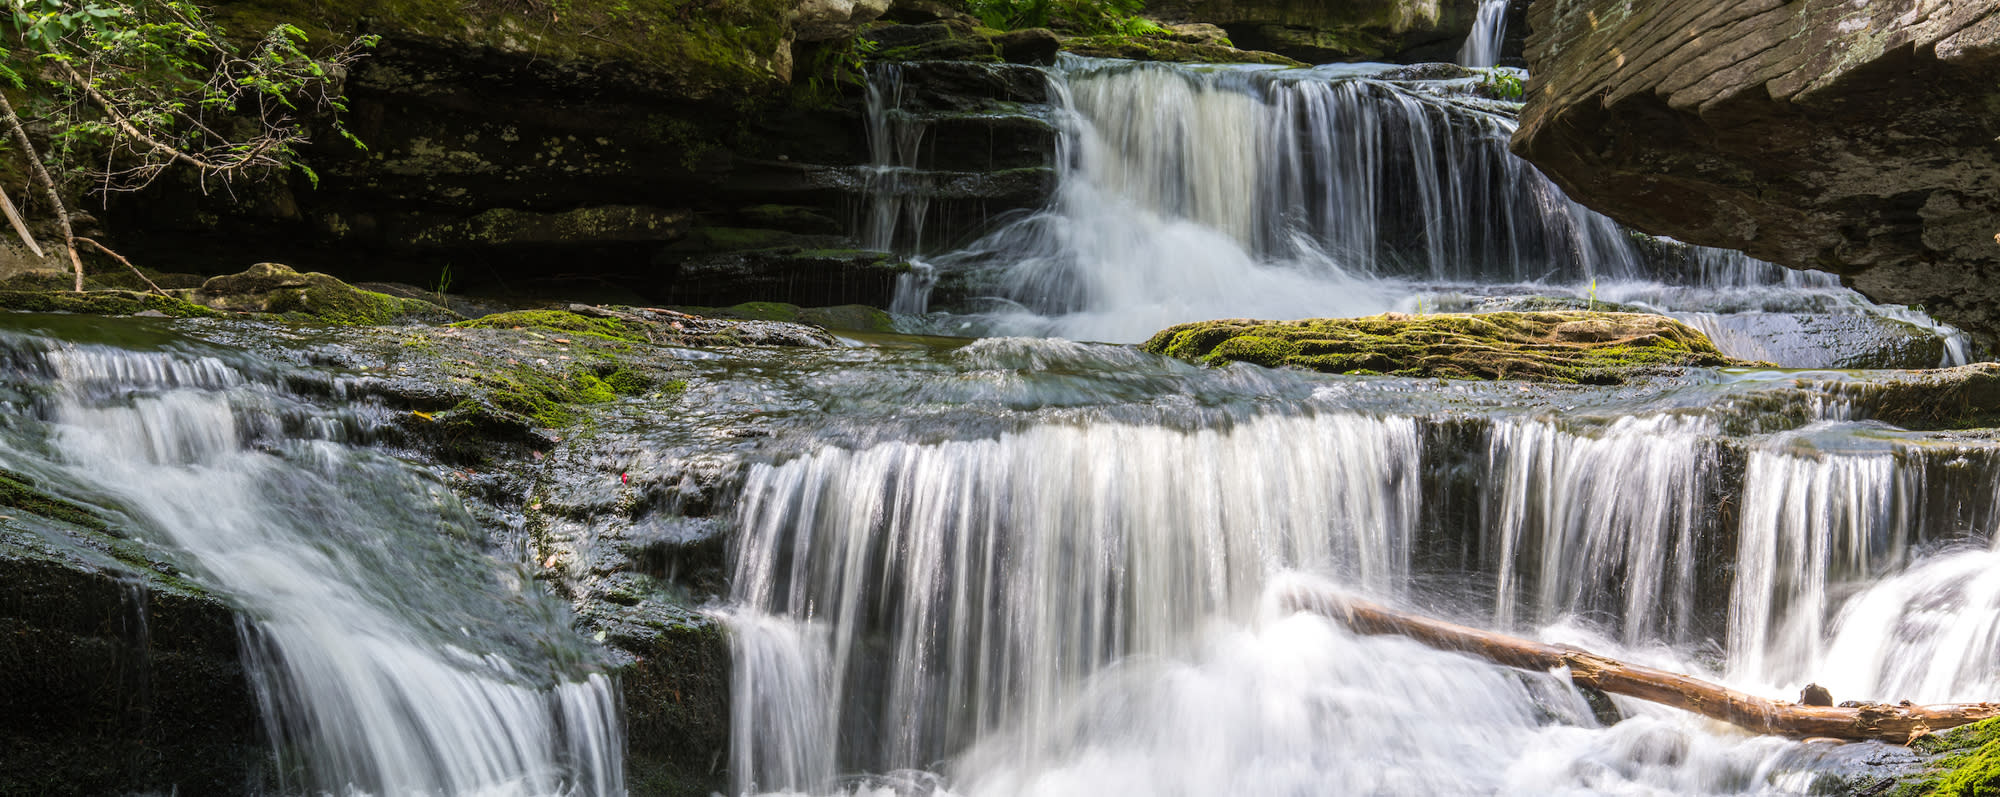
128	264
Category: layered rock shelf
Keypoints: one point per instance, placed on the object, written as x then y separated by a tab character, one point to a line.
1852	138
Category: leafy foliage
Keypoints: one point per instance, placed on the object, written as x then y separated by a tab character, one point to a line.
1501	84
141	85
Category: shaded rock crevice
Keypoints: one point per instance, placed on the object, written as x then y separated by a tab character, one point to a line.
1856	139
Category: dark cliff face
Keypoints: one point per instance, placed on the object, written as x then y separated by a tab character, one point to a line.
699	156
1862	139
522	148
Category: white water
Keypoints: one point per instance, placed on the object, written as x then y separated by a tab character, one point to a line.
1489	30
1225	192
1081	609
387	660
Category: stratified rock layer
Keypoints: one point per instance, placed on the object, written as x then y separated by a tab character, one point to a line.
1857	138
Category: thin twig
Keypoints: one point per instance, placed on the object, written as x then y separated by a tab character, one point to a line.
128	264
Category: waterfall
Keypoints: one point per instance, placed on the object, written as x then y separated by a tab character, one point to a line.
898	194
1278	193
1190	193
963	558
1066	606
1482	46
388	658
1605	525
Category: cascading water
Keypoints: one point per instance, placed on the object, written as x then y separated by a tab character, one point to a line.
1489	30
1046	618
899	193
1219	192
388	657
1043	567
1085	601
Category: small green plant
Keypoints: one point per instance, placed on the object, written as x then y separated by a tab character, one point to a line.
443	283
1593	292
835	64
1502	84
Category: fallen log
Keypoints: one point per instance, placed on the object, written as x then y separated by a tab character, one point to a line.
1895	723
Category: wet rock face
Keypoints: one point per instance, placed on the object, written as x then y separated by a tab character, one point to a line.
597	149
1857	138
120	677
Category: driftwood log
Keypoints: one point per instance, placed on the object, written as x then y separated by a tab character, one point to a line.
1896	723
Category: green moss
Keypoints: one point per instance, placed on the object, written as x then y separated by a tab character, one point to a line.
334	302
1573	347
310	297
15	493
625	382
1147	48
1968	764
763	311
562	321
101	303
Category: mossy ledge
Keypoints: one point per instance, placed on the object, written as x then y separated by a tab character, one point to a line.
1577	347
1968	763
101	303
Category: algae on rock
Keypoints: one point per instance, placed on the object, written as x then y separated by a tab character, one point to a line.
1570	347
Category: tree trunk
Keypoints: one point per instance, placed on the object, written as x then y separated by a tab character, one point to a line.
20	226
1879	721
41	174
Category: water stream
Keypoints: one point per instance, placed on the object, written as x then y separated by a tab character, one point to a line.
388	656
1084	601
1027	564
1081	600
1193	193
1489	30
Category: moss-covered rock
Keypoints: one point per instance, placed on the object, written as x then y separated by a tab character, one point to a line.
278	289
1167	48
101	303
16	494
1571	347
564	321
1968	763
1965	397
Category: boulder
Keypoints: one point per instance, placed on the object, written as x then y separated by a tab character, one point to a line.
1856	138
278	289
1572	347
825	20
1320	32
